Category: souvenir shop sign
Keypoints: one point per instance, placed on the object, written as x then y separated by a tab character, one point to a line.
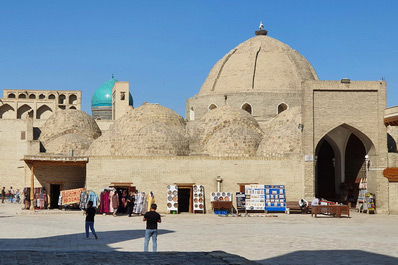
71	196
391	173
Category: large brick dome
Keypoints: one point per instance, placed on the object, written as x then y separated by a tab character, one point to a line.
65	125
259	64
140	131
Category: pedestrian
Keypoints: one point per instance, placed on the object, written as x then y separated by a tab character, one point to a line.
12	193
18	196
130	203
152	219
303	203
90	213
3	194
315	202
115	203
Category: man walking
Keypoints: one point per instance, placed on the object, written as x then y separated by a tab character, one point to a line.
152	219
3	194
90	213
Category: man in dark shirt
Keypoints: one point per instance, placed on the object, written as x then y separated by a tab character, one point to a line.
152	219
3	194
90	213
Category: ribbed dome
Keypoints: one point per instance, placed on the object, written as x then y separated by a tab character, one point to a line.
282	135
224	116
103	95
123	136
259	64
67	130
234	140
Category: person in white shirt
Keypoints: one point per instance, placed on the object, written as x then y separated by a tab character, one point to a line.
303	205
315	202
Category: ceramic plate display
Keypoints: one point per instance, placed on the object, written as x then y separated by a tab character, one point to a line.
172	198
198	198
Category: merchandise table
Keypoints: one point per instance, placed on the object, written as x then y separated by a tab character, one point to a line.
332	210
222	205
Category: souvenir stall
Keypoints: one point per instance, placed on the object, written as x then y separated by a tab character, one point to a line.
141	203
172	199
221	202
198	198
70	198
40	200
185	197
85	197
240	201
268	198
105	200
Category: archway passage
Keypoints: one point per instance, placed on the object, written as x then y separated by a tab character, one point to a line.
325	172
341	164
354	166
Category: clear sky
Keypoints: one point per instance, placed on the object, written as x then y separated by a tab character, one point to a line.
165	49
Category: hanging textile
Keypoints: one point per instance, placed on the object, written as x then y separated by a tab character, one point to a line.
94	198
83	200
104	201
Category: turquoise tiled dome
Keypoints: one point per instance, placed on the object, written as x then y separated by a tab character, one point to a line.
103	95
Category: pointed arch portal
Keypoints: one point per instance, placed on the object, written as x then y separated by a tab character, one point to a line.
341	163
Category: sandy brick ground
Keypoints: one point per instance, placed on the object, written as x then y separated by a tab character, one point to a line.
285	239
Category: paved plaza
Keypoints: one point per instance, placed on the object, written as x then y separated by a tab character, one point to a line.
57	237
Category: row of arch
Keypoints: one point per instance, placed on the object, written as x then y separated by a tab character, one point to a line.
25	111
248	107
61	99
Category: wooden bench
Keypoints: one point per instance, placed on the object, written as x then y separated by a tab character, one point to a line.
294	206
331	210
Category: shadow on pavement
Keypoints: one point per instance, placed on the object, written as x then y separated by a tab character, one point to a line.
84	257
325	257
76	241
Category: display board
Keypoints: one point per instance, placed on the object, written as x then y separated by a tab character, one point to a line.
255	197
265	197
220	196
198	198
275	198
240	201
172	198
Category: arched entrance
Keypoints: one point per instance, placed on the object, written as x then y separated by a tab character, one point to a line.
340	163
325	165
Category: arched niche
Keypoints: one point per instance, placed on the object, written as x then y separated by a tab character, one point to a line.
212	106
72	99
391	144
42	96
7	112
282	107
21	96
24	112
73	107
247	107
61	99
51	96
44	112
191	114
32	96
11	95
